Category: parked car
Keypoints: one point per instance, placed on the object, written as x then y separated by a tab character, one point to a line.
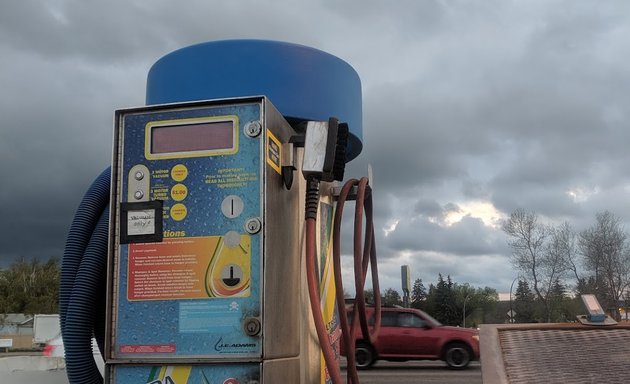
411	334
55	348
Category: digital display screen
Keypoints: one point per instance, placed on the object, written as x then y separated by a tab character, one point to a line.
206	136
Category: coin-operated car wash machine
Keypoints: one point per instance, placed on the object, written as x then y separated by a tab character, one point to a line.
210	253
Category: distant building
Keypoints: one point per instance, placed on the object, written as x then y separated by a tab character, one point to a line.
18	327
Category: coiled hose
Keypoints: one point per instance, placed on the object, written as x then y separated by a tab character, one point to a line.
364	256
83	283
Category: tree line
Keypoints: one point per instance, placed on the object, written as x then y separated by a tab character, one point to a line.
556	264
30	287
448	302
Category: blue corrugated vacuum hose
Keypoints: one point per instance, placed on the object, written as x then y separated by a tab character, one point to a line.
82	284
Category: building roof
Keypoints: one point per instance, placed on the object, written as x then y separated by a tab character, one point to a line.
554	353
15	319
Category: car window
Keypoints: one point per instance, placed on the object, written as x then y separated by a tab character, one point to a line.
388	319
410	320
395	319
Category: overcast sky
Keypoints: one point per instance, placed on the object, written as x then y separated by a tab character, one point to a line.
472	109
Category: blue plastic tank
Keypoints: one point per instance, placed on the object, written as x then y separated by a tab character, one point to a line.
302	82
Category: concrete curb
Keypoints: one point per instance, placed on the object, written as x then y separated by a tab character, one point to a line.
31	363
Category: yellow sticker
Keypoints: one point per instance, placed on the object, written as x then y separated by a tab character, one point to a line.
178	212
179	172
274	152
179	192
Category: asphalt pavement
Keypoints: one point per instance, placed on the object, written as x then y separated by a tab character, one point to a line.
38	369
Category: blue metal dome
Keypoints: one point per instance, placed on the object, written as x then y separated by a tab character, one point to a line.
302	82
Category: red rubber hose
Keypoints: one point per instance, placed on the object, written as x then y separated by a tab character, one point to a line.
364	257
347	332
313	293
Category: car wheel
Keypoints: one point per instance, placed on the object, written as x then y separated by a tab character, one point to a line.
364	355
457	355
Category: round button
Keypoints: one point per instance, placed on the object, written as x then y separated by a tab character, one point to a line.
232	239
179	172
178	212
232	206
179	192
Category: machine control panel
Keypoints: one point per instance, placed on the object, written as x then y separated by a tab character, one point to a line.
188	242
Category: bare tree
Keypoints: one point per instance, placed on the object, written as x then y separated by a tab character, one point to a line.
558	261
540	252
605	252
566	237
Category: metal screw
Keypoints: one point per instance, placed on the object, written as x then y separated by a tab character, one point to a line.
253	128
139	175
138	195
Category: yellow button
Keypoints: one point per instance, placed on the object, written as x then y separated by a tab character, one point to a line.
179	172
179	192
178	212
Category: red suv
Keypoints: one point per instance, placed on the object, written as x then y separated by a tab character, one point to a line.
411	334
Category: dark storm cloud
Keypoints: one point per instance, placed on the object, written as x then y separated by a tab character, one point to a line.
92	31
513	104
54	140
430	208
523	106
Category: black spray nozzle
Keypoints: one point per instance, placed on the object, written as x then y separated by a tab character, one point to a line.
339	166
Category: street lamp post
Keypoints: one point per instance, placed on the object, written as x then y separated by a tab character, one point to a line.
511	311
464	319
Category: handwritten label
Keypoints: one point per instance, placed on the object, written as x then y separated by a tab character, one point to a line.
141	222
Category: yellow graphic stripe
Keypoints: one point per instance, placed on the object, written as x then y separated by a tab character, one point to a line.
178	374
162	372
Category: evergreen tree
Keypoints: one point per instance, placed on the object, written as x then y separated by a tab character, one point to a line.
418	295
559	302
445	310
429	304
524	303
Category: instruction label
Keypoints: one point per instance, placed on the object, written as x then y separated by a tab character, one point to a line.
232	178
189	268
